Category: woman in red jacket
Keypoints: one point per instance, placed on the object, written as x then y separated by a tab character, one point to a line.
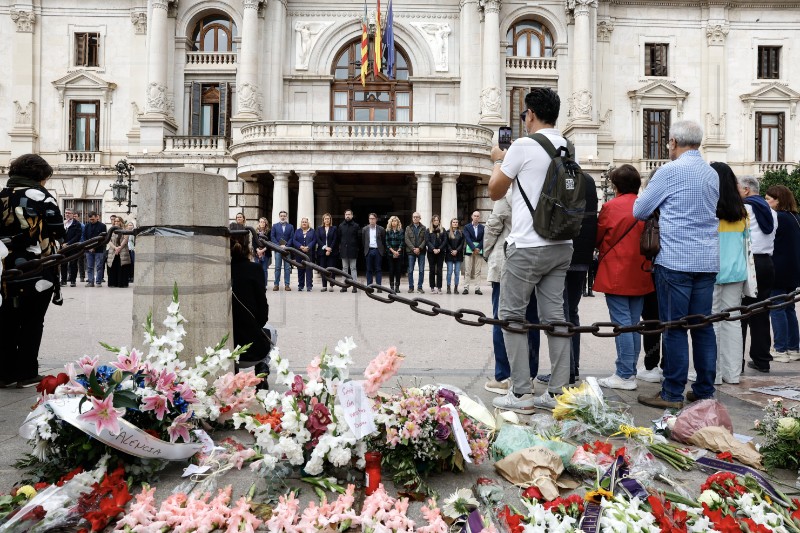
620	273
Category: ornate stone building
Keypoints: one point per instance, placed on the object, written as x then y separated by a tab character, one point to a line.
268	93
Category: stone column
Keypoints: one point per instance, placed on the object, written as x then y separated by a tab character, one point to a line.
491	95
449	198
23	134
276	14
469	60
280	194
305	198
157	120
198	263
424	206
247	89
580	103
715	143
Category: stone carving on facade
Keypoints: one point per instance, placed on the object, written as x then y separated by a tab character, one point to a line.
579	8
605	121
491	101
160	4
437	35
157	98
716	34
139	21
23	116
24	20
580	104
307	36
490	6
604	30
715	127
172	9
252	4
135	113
249	98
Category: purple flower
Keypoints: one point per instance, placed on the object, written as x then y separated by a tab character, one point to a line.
448	396
442	432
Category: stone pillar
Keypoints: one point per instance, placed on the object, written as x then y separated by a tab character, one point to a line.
491	95
449	198
247	88
469	60
580	103
157	120
424	206
305	198
276	14
23	134
199	264
280	194
715	139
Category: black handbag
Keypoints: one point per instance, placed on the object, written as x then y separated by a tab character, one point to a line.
650	242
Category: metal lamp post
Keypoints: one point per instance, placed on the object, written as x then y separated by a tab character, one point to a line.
122	189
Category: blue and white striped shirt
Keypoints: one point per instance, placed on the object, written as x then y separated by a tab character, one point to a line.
686	191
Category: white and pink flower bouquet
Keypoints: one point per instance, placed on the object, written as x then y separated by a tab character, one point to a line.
143	409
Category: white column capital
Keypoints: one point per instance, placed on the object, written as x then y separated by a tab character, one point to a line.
24	20
253	4
580	8
491	6
449	177
304	175
280	175
716	33
424	177
160	4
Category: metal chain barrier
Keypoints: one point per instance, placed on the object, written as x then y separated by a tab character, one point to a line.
424	306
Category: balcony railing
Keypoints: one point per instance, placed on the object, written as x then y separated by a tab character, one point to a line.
81	157
196	144
648	165
210	60
531	65
775	165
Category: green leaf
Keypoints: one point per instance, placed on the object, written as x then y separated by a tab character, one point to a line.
126	399
112	349
95	387
175	292
221	344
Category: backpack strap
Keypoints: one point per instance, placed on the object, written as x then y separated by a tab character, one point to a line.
551	150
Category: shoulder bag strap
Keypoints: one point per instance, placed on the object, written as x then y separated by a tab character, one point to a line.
600	259
545	143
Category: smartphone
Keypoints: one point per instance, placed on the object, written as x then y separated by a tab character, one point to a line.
504	137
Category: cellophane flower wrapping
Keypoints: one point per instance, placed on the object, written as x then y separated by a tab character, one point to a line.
780	427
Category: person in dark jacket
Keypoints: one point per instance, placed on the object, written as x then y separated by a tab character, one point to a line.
262	255
327	246
69	271
349	235
436	242
281	234
454	253
30	217
394	244
373	239
786	258
95	266
305	240
249	306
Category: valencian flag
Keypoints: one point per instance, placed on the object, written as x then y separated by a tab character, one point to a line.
364	47
388	38
376	66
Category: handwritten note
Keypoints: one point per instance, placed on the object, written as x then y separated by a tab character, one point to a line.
357	408
458	431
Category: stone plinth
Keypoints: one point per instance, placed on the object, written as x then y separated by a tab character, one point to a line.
183	207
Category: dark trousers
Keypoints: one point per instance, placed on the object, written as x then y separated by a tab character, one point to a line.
374	265
22	319
118	274
305	278
69	271
396	267
326	261
133	262
760	340
435	262
82	266
651	343
573	291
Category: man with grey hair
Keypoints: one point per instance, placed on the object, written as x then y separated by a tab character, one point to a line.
763	221
686	192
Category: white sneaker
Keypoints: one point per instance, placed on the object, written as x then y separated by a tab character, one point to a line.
509	402
692	376
616	382
545	401
654	375
497	387
780	357
794	355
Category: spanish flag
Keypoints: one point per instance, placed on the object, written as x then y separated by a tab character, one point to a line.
364	47
376	67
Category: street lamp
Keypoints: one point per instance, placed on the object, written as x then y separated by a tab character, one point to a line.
605	183
120	190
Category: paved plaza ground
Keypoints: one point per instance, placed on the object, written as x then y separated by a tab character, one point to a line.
438	350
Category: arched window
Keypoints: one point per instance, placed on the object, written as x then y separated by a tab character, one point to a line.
382	99
529	38
214	33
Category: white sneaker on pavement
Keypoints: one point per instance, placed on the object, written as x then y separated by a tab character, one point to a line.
545	401
616	382
509	402
654	375
780	357
497	387
794	355
691	376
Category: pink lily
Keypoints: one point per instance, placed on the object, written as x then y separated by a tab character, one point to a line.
186	392
166	381
87	364
156	403
104	415
180	428
128	363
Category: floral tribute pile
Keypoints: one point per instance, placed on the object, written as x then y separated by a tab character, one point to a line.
780	426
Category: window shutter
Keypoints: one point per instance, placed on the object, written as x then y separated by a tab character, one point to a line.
664	129
664	59
80	49
97	126
71	142
194	108
648	63
93	49
781	128
758	136
224	109
646	134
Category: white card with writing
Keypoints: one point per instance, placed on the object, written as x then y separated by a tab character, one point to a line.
357	408
458	431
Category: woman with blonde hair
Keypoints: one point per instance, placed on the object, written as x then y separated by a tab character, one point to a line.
119	257
394	243
327	244
454	253
262	256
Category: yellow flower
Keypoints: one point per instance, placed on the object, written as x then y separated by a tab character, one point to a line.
598	494
568	401
27	490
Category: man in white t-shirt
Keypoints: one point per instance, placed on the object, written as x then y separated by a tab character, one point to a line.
532	262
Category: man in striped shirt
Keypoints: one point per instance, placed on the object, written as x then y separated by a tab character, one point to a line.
686	192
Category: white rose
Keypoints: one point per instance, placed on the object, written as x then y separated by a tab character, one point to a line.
710	498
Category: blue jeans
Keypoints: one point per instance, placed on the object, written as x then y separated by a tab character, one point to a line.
374	264
451	266
681	294
264	262
502	368
95	267
626	310
287	269
785	335
420	259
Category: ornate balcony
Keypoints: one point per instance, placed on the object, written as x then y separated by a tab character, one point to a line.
196	144
649	165
210	61
353	146
531	66
775	165
81	158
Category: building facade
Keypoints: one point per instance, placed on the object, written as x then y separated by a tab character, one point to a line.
269	93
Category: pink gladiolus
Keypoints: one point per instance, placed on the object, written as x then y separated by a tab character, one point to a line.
313	370
156	403
87	364
142	512
433	515
241	519
128	363
381	369
104	415
180	428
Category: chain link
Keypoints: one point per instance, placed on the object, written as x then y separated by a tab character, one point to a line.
467	317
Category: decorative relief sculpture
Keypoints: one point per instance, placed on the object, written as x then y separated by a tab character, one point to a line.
578	8
157	98
249	98
252	4
715	128
490	6
717	33
160	4
307	36
139	21
580	104
605	121
604	30
490	102
136	113
436	34
24	20
23	116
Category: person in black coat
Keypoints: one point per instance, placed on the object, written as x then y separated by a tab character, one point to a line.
436	243
454	253
69	271
349	234
249	306
327	246
374	244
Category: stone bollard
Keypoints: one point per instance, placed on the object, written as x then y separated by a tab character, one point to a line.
183	214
